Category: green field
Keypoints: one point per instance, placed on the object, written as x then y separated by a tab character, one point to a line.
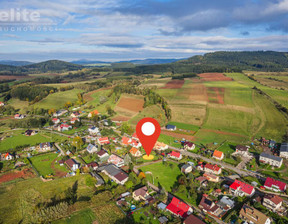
83	216
20	199
169	140
165	175
58	99
229	120
185	126
19	139
43	163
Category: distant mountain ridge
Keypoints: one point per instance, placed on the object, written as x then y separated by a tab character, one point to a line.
15	63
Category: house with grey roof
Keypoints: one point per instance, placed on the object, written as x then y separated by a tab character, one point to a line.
226	203
115	173
186	168
92	148
284	150
270	159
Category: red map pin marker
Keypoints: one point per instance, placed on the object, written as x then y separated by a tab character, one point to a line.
148	131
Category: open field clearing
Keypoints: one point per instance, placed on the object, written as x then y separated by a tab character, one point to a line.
184	126
165	175
178	135
21	198
155	82
205	136
229	120
83	216
24	174
274	124
9	77
108	213
188	113
57	100
19	139
153	111
174	84
46	164
195	92
91	96
19	104
279	95
216	95
129	105
276	84
214	77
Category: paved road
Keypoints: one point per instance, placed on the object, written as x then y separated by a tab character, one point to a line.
220	163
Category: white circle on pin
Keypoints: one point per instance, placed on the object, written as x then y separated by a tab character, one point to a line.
148	128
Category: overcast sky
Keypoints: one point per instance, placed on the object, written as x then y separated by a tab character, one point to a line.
111	30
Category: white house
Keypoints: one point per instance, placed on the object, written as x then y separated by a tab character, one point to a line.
270	159
93	130
91	148
284	150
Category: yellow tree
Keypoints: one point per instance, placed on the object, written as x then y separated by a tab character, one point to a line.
77	142
51	111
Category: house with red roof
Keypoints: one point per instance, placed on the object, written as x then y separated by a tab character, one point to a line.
126	141
135	152
136	143
116	160
179	208
8	156
241	189
75	114
218	155
93	165
93	113
64	127
274	185
210	168
19	116
175	155
1	104
74	119
56	120
134	136
189	145
103	140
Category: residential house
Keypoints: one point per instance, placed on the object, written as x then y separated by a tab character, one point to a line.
134	136
126	141
46	146
175	155
270	159
284	150
160	146
93	113
60	113
93	130
203	181
242	150
273	203
210	177
103	140
141	194
19	116
8	156
163	219
186	168
161	206
116	174
274	185
226	203
135	152
135	143
188	145
252	215
72	164
56	120
103	155
210	207
92	148
171	127
93	165
75	114
74	119
64	127
272	144
215	169
218	155
1	104
179	208
241	189
30	132
116	160
192	219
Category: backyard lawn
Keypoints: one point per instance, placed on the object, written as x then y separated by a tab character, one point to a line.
163	174
43	163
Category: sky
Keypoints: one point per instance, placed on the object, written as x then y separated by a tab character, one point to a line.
115	30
